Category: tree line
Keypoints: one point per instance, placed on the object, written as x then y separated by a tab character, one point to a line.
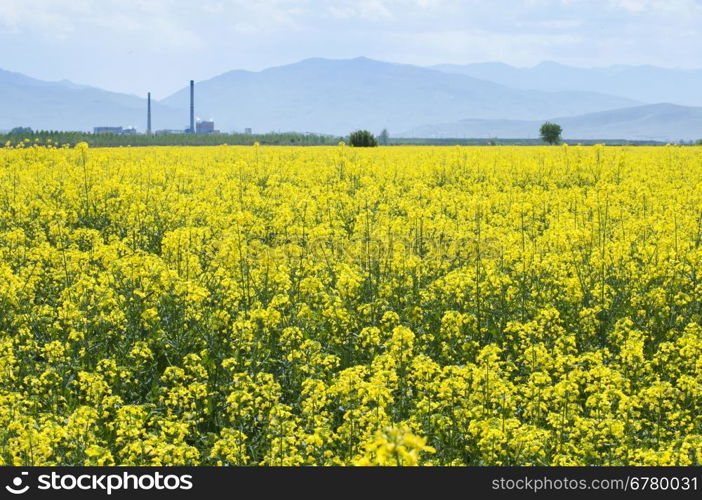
549	132
60	138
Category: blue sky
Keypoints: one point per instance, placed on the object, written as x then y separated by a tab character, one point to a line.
138	45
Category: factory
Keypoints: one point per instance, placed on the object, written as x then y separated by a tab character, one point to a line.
199	126
194	127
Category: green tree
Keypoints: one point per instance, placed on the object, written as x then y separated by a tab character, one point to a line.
362	139
551	132
384	137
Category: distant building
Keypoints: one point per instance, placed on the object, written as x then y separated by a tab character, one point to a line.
248	131
170	131
115	130
204	127
108	130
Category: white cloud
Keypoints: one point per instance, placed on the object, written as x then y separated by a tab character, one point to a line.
657	6
152	22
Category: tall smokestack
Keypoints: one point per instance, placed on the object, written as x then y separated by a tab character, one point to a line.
148	114
192	107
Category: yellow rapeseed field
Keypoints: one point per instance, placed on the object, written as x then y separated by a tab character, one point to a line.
332	305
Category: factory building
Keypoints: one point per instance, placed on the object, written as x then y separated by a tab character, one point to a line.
205	127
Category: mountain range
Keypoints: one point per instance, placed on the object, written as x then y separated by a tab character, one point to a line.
643	83
666	122
337	96
64	105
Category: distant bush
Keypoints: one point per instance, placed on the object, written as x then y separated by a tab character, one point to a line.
363	139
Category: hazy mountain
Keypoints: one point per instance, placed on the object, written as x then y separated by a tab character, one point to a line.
665	122
337	96
64	105
643	83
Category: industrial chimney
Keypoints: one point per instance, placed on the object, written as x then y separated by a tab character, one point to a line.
148	114
192	107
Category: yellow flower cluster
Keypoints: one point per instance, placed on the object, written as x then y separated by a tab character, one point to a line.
337	306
